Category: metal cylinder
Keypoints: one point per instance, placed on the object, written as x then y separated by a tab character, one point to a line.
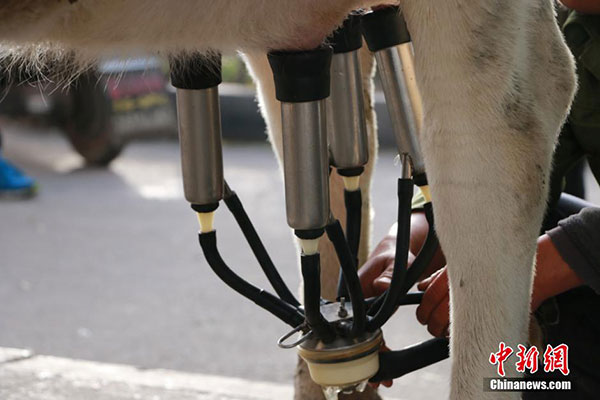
305	164
406	166
403	100
302	83
199	120
346	125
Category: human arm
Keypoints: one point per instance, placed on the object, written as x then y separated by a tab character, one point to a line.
553	276
577	239
583	6
375	275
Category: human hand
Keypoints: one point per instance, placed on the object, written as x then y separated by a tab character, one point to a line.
583	6
553	275
376	274
434	310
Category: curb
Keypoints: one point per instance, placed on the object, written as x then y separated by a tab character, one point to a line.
25	376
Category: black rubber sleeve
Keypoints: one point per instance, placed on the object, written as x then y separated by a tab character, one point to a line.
413	298
282	310
394	293
236	208
384	28
353	202
349	36
426	253
394	364
420	179
196	71
311	273
309	234
348	267
352	171
301	75
204	208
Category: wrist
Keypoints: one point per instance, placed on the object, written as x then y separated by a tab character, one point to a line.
553	275
583	6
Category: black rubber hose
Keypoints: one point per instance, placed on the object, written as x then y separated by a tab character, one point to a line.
426	253
348	267
237	210
311	273
353	202
374	303
342	289
413	298
394	364
409	299
394	293
282	310
422	260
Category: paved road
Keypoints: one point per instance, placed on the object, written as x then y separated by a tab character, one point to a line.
104	264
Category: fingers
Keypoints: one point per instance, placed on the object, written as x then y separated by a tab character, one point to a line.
382	282
424	284
375	385
434	310
439	321
381	258
435	291
371	271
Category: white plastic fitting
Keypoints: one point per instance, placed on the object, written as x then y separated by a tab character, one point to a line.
351	183
206	221
343	363
344	374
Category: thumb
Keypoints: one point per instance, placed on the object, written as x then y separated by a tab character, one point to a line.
424	284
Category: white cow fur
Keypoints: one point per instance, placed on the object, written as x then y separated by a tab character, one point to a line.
496	81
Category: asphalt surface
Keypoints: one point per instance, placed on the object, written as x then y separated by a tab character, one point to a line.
104	264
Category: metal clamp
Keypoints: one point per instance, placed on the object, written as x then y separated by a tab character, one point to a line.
281	342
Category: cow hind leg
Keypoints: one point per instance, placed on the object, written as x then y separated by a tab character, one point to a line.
496	81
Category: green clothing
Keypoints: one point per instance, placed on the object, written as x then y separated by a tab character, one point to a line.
580	137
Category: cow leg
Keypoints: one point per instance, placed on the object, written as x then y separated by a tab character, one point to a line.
258	66
496	81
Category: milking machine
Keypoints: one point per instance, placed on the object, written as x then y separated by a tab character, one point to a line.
324	129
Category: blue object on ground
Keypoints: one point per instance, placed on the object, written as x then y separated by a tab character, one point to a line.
14	183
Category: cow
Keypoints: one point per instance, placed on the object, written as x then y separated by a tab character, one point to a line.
496	80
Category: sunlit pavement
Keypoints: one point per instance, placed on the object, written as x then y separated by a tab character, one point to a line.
104	265
26	376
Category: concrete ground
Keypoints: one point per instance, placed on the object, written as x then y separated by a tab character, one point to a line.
104	265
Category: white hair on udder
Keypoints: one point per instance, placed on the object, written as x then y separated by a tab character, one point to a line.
72	35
